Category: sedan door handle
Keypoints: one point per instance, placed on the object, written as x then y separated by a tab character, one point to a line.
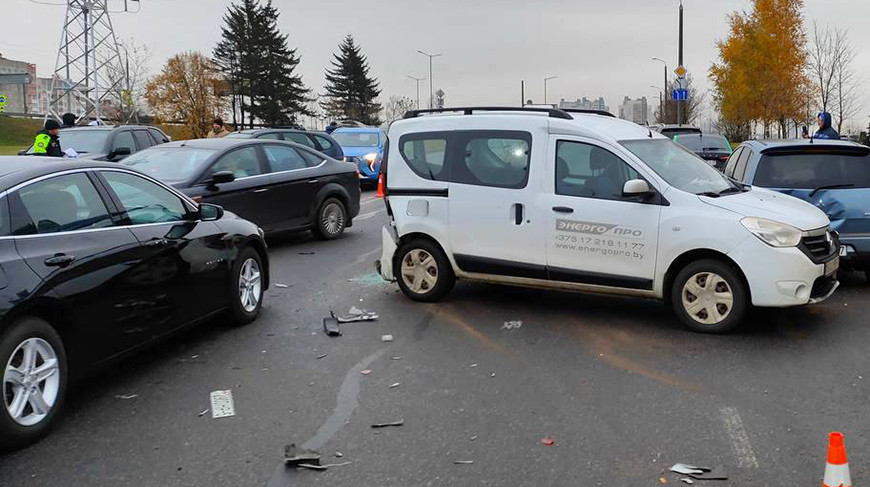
61	260
261	190
313	181
156	242
563	209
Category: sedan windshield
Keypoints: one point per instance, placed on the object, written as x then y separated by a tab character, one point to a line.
703	143
679	167
356	139
169	164
810	171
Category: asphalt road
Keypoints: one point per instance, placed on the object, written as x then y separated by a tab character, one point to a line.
623	390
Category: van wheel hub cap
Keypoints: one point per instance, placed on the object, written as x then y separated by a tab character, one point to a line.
707	298
419	271
31	382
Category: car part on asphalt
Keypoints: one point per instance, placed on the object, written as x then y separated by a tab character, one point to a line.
330	326
385	425
548	441
203	412
463	462
394	385
386	338
294	455
323	355
127	396
687	469
222	404
365	372
356	314
687	480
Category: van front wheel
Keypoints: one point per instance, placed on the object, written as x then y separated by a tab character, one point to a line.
424	272
709	296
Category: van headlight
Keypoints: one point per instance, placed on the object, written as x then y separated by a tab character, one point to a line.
773	233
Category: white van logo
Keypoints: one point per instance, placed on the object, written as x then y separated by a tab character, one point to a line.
595	228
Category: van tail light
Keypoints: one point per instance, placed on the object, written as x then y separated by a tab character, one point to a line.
382	182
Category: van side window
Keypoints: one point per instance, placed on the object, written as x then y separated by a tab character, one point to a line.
589	171
425	155
497	158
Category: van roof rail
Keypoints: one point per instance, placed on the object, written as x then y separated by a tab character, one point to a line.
551	112
588	110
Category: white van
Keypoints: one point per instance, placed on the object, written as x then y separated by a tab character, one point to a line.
583	201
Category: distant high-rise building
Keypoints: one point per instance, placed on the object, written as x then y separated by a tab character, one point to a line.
636	111
19	98
585	104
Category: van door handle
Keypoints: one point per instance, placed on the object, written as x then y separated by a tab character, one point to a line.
563	209
60	260
518	214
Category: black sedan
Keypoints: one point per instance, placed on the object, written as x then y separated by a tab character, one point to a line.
319	141
98	260
280	186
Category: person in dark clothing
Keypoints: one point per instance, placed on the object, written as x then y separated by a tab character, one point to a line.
825	130
47	143
69	120
331	127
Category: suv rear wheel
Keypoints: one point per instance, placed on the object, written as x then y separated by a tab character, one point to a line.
709	296
424	272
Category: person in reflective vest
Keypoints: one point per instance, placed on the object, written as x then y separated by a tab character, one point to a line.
47	143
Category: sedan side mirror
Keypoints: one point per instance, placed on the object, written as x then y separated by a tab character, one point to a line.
209	212
637	187
120	151
223	177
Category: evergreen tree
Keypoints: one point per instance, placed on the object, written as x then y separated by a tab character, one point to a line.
350	92
260	65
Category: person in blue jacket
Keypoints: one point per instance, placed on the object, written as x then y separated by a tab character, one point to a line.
826	131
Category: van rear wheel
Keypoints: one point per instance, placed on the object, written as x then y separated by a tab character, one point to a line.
424	272
708	296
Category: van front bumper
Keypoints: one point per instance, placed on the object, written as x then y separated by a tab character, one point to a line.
782	277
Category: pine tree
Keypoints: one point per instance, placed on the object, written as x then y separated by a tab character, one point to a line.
350	92
261	66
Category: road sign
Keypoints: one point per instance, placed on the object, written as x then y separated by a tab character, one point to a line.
680	95
680	71
682	84
2	103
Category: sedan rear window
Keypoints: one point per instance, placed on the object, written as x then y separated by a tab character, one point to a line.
809	171
169	164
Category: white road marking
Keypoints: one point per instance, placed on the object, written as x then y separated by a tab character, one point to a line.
366	216
739	438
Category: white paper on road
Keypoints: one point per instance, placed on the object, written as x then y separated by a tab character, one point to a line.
222	404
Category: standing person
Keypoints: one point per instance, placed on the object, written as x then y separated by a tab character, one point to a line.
217	129
805	133
47	143
826	131
69	120
331	127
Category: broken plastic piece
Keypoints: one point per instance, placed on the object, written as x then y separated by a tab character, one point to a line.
387	338
473	365
339	454
384	425
322	355
473	438
688	469
463	462
312	466
330	326
356	314
203	413
549	441
282	286
394	385
365	372
687	480
127	396
395	358
294	455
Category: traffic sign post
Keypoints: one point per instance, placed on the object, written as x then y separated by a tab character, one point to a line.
680	71
680	95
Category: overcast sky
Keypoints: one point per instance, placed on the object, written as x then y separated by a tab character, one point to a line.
596	48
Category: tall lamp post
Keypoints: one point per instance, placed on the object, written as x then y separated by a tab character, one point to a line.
548	78
431	92
661	101
665	85
418	80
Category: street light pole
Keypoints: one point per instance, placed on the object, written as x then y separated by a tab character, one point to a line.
431	91
418	80
548	78
665	86
661	101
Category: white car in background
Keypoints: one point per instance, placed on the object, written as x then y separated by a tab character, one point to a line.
583	201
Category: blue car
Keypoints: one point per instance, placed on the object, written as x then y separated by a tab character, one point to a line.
363	146
834	175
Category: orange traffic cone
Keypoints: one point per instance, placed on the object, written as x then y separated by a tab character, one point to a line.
837	468
381	184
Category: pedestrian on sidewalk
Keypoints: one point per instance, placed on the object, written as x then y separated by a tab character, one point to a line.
218	130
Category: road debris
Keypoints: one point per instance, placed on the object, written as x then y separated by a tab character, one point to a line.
365	372
384	425
311	466
293	455
282	286
356	314
512	325
473	365
322	355
549	441
127	396
386	338
463	462
306	253
394	385
395	358
688	469
473	438
339	454
663	480
492	374
687	480
201	414
330	326
222	404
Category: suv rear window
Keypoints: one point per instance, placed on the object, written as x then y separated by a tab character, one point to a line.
425	155
809	171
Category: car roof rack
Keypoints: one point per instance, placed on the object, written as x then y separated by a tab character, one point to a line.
588	110
551	112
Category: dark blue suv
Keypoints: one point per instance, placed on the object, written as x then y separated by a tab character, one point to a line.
834	175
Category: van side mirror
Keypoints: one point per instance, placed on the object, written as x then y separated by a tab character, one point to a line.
637	187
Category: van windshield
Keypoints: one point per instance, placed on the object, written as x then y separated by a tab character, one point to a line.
680	167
